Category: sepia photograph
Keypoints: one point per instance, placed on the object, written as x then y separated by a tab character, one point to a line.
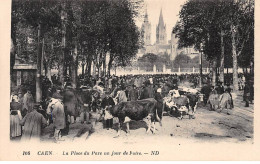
135	79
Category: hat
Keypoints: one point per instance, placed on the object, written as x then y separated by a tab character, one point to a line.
36	106
101	84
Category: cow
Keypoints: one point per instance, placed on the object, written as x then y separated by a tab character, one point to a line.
193	101
181	105
136	110
184	103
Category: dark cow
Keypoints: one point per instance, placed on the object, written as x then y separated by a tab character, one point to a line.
193	101
136	110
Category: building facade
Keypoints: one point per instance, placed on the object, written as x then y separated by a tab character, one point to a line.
161	46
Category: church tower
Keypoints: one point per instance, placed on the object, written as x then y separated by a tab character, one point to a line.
161	37
146	30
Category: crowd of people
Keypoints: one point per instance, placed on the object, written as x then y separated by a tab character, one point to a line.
90	99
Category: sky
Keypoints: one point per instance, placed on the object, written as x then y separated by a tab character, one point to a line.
170	10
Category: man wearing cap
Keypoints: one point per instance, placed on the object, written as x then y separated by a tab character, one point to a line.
33	123
57	94
85	101
205	90
220	88
133	94
106	103
160	105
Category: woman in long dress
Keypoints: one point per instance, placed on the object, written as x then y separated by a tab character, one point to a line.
15	117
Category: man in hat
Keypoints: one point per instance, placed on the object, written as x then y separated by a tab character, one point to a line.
160	105
133	93
33	123
70	103
57	93
247	94
121	95
205	90
85	101
147	92
106	103
220	88
27	102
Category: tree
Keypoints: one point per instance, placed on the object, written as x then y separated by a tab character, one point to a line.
197	27
182	61
207	23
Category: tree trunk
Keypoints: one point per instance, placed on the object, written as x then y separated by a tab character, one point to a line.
222	57
98	71
82	66
39	64
14	46
48	72
70	69
63	45
234	53
214	72
74	68
88	67
109	65
104	66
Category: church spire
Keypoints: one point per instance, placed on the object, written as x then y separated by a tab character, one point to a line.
146	15
161	22
161	37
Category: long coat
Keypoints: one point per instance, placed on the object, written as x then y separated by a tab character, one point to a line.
159	105
121	96
133	94
70	101
56	109
27	102
147	93
33	123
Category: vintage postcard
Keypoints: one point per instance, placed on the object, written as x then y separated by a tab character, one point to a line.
129	80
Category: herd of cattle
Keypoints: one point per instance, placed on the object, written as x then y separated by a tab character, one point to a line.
177	103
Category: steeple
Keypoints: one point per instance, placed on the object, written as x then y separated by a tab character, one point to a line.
146	30
161	22
146	15
161	37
